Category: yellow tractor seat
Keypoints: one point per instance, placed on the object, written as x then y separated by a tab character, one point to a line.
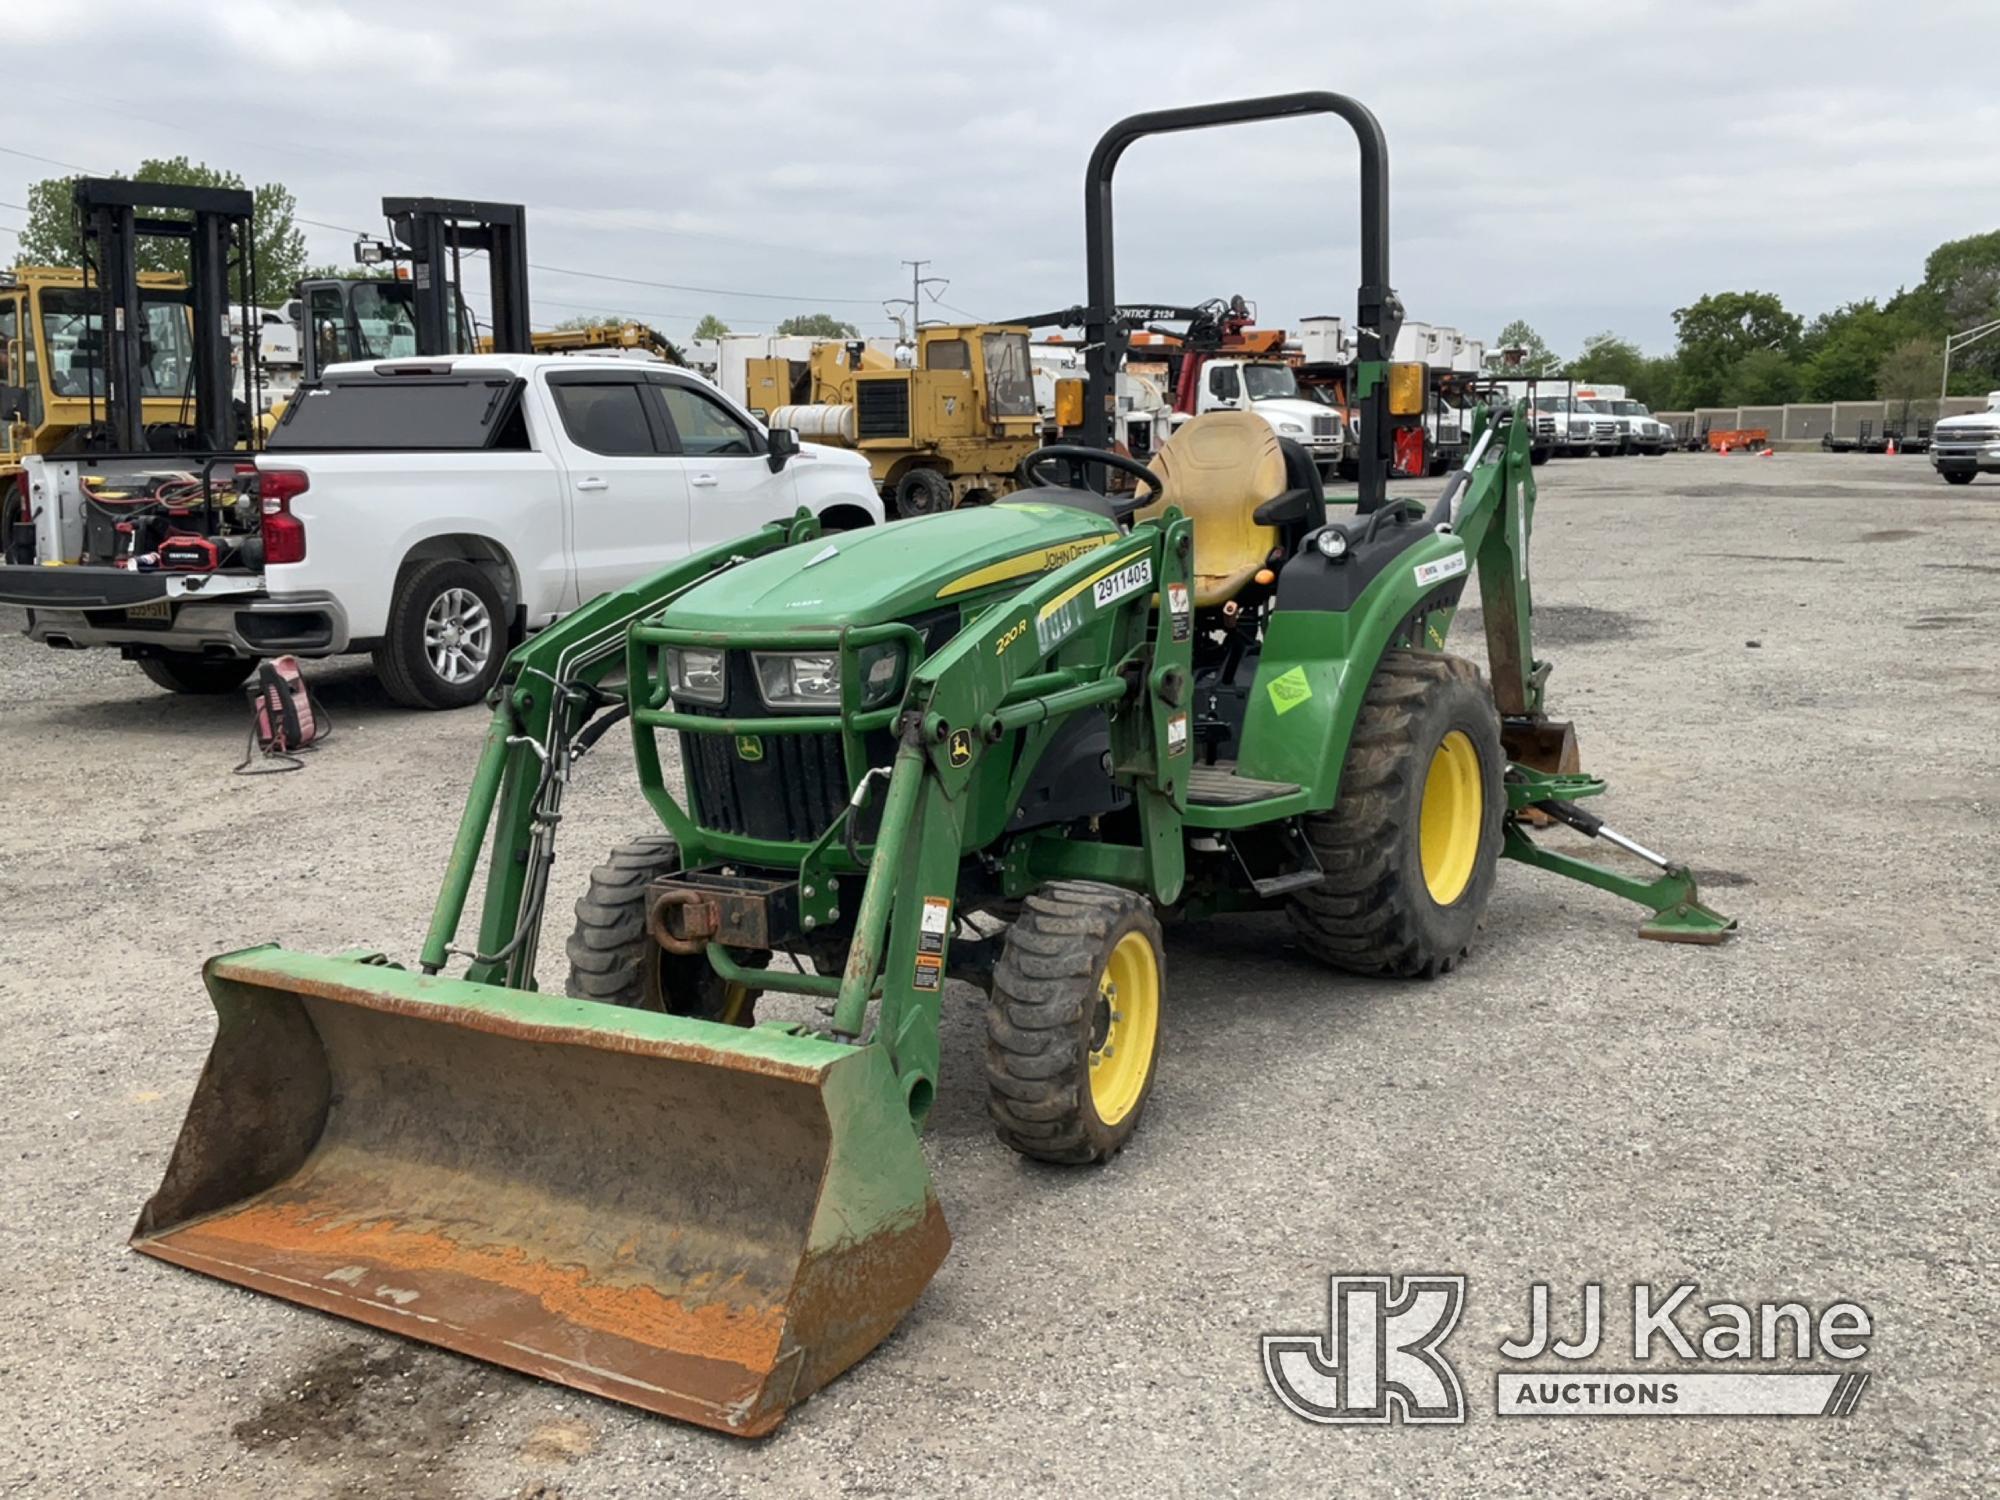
1218	469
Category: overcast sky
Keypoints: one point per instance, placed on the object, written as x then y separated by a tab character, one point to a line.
1584	165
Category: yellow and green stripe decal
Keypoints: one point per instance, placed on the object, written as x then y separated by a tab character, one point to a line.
1041	560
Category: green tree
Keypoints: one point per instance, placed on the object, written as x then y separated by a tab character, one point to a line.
1608	360
1654	383
601	320
818	326
1960	289
1911	371
710	327
1537	358
1718	330
1763	377
51	238
1844	348
341	273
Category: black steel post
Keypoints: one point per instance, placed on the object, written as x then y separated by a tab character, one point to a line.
1378	312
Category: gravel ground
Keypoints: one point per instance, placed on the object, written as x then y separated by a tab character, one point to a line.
1787	670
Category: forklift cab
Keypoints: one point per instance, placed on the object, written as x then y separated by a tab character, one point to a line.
373	318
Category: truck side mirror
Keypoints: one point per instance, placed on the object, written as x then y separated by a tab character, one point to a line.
783	447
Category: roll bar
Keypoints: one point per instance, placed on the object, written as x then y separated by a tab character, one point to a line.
1378	313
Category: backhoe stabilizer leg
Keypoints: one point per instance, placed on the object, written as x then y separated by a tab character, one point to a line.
1679	916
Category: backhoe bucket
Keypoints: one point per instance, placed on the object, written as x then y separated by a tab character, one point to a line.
697	1219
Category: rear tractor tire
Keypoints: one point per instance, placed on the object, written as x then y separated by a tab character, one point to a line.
922	492
1411	847
614	959
1073	1030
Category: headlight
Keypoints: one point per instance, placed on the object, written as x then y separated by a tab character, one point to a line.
694	674
1332	544
811	679
1290	427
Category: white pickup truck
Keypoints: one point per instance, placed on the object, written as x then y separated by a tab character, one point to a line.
1967	445
432	512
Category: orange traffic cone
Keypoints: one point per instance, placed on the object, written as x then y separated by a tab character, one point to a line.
1767	453
1725	448
1892	447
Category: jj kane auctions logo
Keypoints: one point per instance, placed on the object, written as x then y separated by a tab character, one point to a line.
1381	1357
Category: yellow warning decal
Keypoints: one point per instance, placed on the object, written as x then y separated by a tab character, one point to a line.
1289	690
1041	560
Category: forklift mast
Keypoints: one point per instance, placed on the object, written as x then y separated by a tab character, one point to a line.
436	233
216	226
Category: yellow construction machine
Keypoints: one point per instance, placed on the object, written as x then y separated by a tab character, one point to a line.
949	429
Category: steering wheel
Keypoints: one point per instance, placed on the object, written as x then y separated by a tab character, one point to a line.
1076	460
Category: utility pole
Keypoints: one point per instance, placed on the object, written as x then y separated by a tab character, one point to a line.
918	282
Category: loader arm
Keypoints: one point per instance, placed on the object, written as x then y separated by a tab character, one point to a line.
549	690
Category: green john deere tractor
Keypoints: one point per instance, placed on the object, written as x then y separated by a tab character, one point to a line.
1067	711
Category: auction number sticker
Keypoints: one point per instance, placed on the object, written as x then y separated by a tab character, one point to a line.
1128	579
1445	567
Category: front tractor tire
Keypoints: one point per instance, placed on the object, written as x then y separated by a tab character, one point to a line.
1073	1030
1411	847
614	959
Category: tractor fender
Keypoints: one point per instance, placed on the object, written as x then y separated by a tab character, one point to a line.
1316	665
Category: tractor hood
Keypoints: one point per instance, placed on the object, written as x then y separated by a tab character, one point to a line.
895	571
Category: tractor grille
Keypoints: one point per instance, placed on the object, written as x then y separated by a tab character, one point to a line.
791	794
882	408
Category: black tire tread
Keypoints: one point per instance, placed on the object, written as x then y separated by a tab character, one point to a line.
1359	916
607	945
1037	1068
405	678
200	677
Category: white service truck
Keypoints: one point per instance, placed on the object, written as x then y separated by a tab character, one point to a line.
1966	445
1270	388
1637	430
430	511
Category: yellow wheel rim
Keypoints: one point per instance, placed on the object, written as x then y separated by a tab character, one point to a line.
1454	811
1126	1028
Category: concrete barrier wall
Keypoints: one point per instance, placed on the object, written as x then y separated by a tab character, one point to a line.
1805	424
1809	421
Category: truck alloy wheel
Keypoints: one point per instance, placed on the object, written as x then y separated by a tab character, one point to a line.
446	638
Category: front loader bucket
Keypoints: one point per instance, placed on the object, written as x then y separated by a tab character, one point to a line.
697	1219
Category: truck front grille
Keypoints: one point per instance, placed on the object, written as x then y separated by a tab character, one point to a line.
1323	427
